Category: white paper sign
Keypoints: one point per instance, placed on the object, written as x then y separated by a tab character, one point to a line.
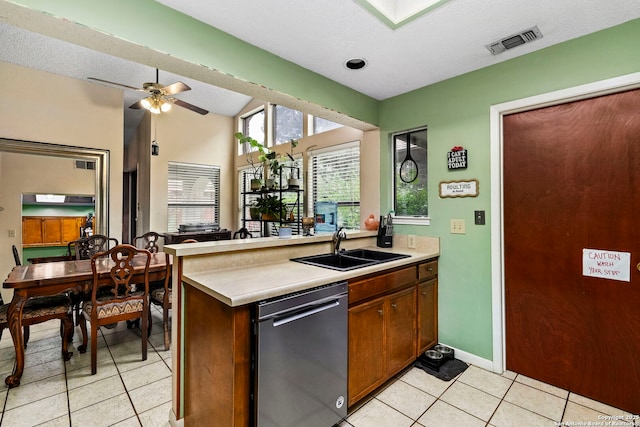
606	264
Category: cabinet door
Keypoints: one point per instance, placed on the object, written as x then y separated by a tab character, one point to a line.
52	230
366	348
71	229
401	329
31	231
427	315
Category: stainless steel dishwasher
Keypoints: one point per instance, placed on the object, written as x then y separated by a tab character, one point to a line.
302	359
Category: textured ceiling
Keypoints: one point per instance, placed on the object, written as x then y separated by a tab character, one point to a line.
443	43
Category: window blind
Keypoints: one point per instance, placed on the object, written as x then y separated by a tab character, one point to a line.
194	194
335	177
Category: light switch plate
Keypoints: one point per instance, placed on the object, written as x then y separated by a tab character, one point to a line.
12	233
411	241
457	226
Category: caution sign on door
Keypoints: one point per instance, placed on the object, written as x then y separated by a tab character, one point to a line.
606	264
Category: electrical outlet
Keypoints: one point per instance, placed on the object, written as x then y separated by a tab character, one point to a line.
457	226
411	241
12	233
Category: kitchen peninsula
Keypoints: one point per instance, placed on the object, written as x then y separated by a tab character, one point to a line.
218	284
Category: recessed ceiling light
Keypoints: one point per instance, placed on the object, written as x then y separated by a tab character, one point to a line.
355	63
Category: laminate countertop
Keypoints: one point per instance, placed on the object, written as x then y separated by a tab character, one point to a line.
249	284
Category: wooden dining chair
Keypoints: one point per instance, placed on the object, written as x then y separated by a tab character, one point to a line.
148	241
161	297
123	301
86	247
16	255
242	233
39	310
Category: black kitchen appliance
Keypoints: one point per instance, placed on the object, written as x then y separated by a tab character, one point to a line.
385	232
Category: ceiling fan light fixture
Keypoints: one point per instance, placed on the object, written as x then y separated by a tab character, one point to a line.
165	106
146	103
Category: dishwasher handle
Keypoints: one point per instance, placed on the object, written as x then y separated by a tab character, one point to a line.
300	315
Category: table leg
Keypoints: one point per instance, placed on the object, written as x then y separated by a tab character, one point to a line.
14	318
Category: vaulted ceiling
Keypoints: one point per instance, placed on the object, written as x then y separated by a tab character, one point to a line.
446	41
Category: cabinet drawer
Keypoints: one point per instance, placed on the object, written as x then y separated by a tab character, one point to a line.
379	285
427	270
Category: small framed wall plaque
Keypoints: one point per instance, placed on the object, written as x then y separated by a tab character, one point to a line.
457	158
469	188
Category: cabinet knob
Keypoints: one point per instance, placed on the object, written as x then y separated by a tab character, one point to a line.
424	292
429	268
394	306
380	312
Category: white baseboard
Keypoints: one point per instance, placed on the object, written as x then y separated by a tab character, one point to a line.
473	359
173	421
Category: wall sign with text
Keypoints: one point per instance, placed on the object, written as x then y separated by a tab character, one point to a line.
606	264
468	188
457	158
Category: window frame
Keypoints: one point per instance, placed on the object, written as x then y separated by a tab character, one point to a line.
244	120
274	124
205	204
311	197
406	219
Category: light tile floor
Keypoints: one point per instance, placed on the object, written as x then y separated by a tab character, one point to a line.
128	392
481	398
124	392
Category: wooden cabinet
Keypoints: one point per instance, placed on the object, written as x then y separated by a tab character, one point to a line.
366	348
382	331
427	315
393	318
427	306
50	230
401	330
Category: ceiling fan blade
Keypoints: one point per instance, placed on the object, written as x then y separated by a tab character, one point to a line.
115	84
176	88
188	106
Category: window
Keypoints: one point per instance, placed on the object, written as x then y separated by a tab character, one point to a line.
410	173
253	126
194	194
322	125
287	124
335	177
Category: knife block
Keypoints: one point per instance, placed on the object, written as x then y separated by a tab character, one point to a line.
384	241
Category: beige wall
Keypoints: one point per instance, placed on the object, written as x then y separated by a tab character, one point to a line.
183	136
44	107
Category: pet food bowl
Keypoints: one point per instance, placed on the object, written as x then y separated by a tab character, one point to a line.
446	352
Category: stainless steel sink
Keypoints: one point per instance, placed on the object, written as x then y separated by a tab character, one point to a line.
350	260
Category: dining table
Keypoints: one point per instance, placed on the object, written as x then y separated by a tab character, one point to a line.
53	278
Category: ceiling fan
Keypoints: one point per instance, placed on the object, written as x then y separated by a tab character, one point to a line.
159	99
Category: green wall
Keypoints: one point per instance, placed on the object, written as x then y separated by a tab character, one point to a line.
456	112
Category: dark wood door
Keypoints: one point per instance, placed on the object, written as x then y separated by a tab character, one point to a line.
572	182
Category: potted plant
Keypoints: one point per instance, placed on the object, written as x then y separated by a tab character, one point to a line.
271	207
256	165
292	182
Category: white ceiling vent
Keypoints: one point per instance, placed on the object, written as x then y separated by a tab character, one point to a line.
514	40
85	164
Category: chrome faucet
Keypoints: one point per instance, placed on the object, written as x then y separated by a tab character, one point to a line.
338	236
